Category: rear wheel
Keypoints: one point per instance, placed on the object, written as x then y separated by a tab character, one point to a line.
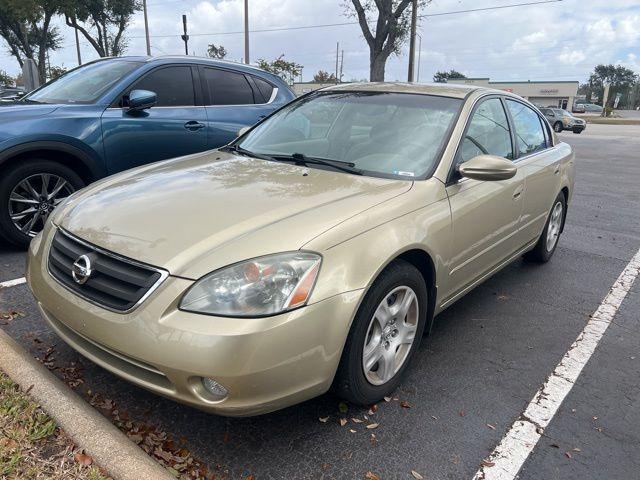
384	336
548	241
29	193
557	127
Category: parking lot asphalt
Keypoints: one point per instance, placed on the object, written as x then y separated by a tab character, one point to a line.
487	356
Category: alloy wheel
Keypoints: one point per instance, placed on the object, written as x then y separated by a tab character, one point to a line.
555	224
34	198
390	335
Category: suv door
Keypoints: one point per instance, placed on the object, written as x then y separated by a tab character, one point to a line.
175	126
540	165
485	214
233	100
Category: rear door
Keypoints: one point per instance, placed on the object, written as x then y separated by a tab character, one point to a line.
485	214
233	100
175	126
540	165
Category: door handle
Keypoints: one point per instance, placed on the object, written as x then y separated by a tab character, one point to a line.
557	170
193	125
518	191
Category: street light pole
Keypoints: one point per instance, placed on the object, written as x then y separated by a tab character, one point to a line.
146	27
412	41
185	37
77	44
246	32
419	55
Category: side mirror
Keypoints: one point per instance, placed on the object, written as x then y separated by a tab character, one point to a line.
243	130
141	100
488	167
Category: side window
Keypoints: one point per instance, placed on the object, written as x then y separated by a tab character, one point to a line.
528	128
227	88
265	88
172	85
488	133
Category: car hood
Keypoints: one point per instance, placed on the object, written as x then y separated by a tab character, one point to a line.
16	110
198	213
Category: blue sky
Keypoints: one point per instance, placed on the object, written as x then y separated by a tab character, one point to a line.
554	41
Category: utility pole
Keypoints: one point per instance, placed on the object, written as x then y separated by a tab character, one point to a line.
77	44
185	37
246	32
412	42
341	65
146	27
419	55
337	54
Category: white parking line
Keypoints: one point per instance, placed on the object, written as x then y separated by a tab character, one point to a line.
13	283
507	459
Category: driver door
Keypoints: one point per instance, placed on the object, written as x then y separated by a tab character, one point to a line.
485	214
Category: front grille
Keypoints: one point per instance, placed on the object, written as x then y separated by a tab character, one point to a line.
115	282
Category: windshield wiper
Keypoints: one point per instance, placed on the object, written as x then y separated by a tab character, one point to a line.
244	151
302	159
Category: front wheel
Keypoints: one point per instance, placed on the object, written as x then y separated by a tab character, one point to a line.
384	336
29	193
557	127
548	241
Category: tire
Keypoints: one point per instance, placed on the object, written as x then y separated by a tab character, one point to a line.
38	172
366	387
557	127
546	246
577	132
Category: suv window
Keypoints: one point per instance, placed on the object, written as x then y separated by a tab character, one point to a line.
172	85
488	132
265	88
528	128
228	88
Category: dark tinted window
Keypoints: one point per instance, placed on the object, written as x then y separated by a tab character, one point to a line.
488	132
528	128
265	88
227	88
172	85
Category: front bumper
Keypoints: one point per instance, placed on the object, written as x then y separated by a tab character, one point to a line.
264	363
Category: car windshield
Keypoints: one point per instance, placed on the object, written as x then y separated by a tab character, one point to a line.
393	135
83	85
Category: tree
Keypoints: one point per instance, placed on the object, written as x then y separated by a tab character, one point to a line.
6	80
324	77
216	52
618	77
281	67
102	22
26	27
54	72
443	76
391	20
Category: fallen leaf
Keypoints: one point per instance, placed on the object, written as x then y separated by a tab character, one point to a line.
373	439
373	409
387	399
250	477
343	422
577	450
352	430
343	407
371	476
356	420
491	426
416	475
568	455
372	426
434	417
324	419
487	463
555	445
405	404
83	459
462	414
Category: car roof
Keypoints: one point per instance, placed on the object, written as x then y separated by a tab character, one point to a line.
188	59
441	89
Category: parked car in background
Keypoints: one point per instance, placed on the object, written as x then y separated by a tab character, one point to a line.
310	253
578	108
561	120
115	114
8	94
592	108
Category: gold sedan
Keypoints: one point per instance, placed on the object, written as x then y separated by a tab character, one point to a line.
311	253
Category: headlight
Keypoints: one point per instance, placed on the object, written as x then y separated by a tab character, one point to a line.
257	287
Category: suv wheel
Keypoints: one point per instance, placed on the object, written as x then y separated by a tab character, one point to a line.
385	335
557	127
29	193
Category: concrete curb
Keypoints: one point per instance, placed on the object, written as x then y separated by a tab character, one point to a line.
109	447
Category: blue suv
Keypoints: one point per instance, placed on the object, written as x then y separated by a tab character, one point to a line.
115	114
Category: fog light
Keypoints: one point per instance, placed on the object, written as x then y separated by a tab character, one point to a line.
214	389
